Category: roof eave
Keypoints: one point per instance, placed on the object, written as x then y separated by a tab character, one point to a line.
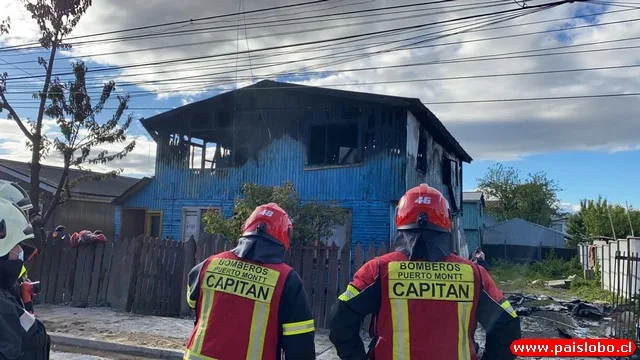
119	200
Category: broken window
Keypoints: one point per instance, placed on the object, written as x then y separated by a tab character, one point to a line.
334	144
421	160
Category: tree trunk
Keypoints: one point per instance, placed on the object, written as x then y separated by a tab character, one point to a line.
61	185
34	191
37	139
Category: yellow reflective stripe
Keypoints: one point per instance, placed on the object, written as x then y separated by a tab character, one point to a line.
258	330
349	294
203	322
190	355
192	303
22	272
400	321
464	317
506	305
297	328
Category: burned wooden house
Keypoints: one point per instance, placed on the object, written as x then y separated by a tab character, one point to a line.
360	150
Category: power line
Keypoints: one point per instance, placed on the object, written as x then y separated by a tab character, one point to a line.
191	31
499	56
446	78
189	21
267	65
315	17
327	48
314	42
475	101
163	62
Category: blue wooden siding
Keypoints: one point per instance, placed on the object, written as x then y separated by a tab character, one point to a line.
472	217
366	189
473	239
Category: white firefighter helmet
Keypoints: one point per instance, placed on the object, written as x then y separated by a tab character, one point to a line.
16	194
14	227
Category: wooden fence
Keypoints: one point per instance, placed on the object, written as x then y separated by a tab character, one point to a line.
148	275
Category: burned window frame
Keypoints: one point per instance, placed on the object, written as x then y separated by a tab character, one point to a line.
331	118
422	155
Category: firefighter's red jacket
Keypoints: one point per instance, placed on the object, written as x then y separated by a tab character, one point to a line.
423	310
248	310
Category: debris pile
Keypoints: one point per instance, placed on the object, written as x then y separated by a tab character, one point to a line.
576	307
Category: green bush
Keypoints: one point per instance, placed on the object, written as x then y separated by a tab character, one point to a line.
311	220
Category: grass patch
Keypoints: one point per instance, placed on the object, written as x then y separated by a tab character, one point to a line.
512	277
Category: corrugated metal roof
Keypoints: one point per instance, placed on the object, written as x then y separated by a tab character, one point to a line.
50	175
422	113
472	196
526	223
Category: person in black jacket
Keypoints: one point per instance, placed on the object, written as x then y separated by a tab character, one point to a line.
22	336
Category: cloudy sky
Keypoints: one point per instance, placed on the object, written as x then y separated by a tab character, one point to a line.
472	62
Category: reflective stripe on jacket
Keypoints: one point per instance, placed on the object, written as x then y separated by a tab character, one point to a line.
237	310
422	311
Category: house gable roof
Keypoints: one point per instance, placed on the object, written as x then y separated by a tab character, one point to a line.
50	177
472	196
419	110
528	223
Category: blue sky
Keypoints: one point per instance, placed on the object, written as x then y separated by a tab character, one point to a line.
585	174
590	147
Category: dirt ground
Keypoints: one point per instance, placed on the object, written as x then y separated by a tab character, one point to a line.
152	331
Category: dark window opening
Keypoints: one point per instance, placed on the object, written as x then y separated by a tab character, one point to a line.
335	144
154	224
421	159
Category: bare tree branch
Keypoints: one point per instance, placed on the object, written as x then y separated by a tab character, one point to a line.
15	117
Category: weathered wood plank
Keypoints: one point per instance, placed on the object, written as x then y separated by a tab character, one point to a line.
371	252
132	264
87	270
63	275
77	276
358	257
158	276
95	274
178	282
118	257
54	268
46	264
188	262
307	272
332	283
140	276
167	269
382	250
345	267
320	286
105	274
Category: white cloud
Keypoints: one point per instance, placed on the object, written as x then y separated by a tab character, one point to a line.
569	207
496	131
139	162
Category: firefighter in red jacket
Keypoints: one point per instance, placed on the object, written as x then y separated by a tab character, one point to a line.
249	304
425	301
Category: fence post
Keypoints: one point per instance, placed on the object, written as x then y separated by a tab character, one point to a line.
189	262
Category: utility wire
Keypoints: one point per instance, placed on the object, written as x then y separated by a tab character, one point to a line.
348	37
475	101
187	21
229	28
323	48
476	58
434	79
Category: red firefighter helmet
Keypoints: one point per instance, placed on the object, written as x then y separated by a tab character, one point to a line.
423	207
269	221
